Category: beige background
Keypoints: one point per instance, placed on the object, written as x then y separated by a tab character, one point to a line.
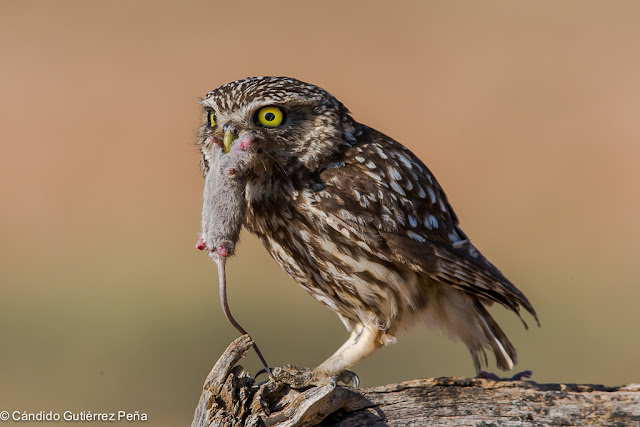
527	112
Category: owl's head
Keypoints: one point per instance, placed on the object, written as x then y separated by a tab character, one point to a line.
281	123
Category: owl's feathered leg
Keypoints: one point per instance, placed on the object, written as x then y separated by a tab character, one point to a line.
349	342
363	342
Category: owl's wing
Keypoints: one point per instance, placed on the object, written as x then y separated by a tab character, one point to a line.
384	197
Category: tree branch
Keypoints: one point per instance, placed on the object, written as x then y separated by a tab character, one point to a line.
231	398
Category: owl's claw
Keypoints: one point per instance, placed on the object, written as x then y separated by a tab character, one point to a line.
300	378
349	377
264	371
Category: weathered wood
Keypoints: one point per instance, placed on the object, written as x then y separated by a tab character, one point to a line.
230	398
465	401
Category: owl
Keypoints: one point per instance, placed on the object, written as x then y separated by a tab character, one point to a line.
356	219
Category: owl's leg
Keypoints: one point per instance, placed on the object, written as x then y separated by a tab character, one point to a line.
354	330
363	341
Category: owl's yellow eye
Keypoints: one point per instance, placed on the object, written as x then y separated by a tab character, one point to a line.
212	118
270	116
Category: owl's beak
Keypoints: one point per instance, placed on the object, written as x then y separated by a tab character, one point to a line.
229	137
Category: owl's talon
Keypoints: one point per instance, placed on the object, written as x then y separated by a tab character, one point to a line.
263	371
349	377
300	378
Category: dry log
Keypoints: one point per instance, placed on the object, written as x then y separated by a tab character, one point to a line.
231	398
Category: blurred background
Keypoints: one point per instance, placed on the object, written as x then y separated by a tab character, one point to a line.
527	112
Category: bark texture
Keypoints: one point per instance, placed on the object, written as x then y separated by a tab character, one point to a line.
231	398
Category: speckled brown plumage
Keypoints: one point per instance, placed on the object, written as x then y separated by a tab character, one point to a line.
358	221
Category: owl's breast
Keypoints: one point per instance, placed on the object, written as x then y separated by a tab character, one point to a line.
279	216
274	216
334	269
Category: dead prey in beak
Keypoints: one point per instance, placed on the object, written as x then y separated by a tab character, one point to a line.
223	213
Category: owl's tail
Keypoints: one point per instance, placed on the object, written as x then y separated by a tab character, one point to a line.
504	352
465	317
